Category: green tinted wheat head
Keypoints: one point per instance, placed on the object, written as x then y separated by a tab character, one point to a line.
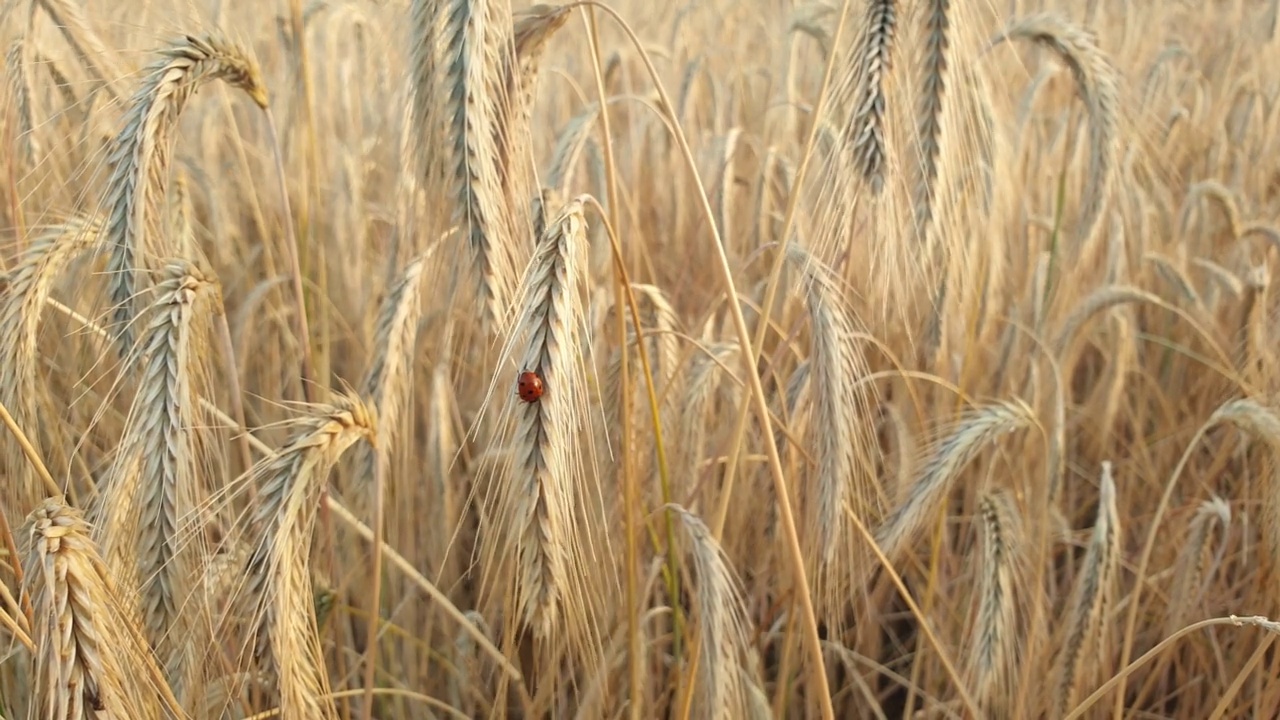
139	159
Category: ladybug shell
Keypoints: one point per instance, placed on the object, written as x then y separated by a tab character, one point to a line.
529	386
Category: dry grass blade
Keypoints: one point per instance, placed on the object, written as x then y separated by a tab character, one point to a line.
139	158
91	663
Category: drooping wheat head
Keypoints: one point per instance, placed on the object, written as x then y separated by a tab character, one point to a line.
139	160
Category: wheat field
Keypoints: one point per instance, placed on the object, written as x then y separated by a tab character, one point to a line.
639	359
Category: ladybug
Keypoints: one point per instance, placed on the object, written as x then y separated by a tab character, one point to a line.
529	387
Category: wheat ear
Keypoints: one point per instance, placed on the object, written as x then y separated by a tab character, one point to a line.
154	485
139	157
461	52
88	46
995	646
279	572
537	491
18	71
90	660
839	416
948	457
1101	561
1098	85
867	127
30	284
933	81
1193	561
722	619
389	376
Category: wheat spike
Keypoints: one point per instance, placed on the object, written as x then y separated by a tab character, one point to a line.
866	131
1101	561
722	618
91	663
947	458
279	581
1098	86
139	158
840	409
536	491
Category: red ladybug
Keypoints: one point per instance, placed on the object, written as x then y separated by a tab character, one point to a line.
530	386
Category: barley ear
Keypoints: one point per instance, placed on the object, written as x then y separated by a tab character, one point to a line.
867	127
839	416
